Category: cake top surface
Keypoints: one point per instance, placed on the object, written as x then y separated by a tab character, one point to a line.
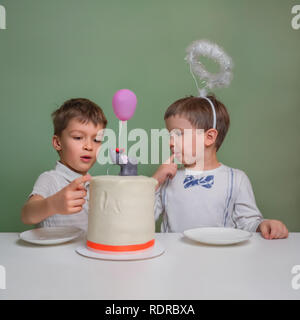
124	178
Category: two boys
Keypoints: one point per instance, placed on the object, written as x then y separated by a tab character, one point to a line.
222	197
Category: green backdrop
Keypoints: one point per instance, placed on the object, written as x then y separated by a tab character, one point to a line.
53	50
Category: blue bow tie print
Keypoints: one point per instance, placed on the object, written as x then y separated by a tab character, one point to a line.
191	181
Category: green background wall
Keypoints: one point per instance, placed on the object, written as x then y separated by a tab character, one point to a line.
53	50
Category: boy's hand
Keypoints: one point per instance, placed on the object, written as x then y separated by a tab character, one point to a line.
71	198
273	229
167	169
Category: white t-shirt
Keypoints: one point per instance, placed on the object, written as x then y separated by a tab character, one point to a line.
222	197
49	183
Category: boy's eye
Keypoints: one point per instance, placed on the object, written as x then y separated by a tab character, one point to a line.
97	141
176	132
77	138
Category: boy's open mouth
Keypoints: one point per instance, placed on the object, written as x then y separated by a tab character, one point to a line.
85	158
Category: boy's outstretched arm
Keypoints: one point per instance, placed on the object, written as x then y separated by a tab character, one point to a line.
167	170
273	229
66	201
35	210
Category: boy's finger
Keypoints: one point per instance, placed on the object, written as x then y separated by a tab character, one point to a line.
265	231
76	209
84	178
281	233
172	172
79	194
78	183
170	159
80	187
274	233
77	202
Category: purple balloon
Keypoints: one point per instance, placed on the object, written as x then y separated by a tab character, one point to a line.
124	104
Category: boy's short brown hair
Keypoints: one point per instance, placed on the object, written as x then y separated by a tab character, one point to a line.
82	109
199	112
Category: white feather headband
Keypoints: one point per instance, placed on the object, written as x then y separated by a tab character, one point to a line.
223	78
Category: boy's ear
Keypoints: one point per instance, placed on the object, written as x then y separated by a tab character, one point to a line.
56	143
211	136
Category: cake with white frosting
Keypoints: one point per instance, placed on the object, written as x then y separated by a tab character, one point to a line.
121	213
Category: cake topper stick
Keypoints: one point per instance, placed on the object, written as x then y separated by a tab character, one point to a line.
120	133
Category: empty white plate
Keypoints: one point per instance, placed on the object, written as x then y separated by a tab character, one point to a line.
218	235
153	252
47	236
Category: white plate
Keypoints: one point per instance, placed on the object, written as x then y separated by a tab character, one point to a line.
155	251
218	236
47	236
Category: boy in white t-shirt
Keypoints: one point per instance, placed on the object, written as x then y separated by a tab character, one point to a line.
59	197
215	195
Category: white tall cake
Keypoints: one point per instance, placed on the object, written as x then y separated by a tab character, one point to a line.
121	213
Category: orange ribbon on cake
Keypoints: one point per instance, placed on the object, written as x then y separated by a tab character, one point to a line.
133	247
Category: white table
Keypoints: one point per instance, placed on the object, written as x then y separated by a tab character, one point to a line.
256	269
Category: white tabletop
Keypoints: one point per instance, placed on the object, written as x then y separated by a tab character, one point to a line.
256	269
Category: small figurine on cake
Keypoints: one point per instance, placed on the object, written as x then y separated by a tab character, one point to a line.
128	165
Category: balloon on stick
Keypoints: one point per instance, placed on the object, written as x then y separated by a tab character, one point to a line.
124	104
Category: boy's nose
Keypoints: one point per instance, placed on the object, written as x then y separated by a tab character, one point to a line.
87	146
